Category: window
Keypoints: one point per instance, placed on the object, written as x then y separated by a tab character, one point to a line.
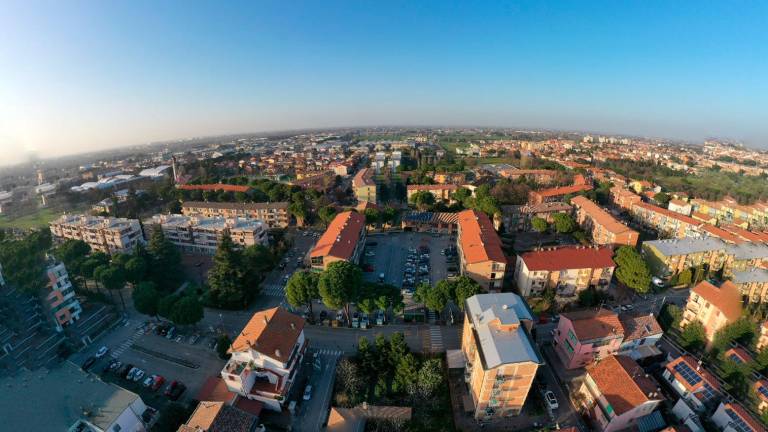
572	336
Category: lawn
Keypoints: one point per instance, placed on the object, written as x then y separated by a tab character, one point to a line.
38	219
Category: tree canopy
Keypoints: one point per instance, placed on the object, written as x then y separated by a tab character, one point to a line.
632	270
339	285
301	289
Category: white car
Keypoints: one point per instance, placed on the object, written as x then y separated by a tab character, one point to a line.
131	373
551	400
138	375
102	352
149	381
307	393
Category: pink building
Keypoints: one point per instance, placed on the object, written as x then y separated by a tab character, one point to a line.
587	335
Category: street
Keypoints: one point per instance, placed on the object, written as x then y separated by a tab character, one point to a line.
312	414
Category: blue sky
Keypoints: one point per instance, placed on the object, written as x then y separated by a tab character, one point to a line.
83	75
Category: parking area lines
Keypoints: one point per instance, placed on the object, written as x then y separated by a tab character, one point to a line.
116	352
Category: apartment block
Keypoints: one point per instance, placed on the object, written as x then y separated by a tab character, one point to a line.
715	307
103	234
624	198
60	297
556	194
441	192
617	393
364	187
752	284
568	270
344	240
603	228
202	235
479	250
519	217
501	359
266	356
665	222
274	214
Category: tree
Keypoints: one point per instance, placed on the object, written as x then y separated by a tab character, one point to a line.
72	253
464	287
164	267
685	277
112	277
670	316
259	259
171	417
135	269
539	225
146	298
222	346
339	284
301	289
388	215
430	377
372	216
591	297
564	223
350	379
434	298
226	279
188	310
662	199
693	337
166	304
366	355
326	214
632	270
24	262
406	375
423	200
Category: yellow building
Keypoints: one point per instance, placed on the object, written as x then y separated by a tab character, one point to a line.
364	186
715	307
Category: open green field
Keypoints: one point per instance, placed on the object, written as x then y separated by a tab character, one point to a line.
38	219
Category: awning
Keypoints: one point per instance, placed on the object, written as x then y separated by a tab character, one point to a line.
456	359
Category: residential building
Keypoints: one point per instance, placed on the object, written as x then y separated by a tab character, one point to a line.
355	419
213	416
667	258
568	270
603	228
762	338
342	241
266	356
739	355
556	194
641	334
202	235
752	284
617	393
59	296
732	417
435	222
680	206
274	214
214	187
585	336
715	307
103	234
441	192
519	217
479	250
623	198
363	185
66	398
694	384
539	176
501	357
761	391
666	222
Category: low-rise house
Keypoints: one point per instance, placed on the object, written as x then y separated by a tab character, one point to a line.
715	307
266	356
202	235
479	249
519	217
342	241
211	416
602	227
732	417
500	354
641	334
274	214
103	234
569	270
586	336
680	206
694	384
617	393
364	187
556	194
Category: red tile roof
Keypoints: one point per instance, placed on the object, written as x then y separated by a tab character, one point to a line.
623	383
600	216
215	389
667	213
565	190
568	257
215	187
727	298
721	234
591	324
272	332
451	187
761	383
639	326
478	239
705	375
741	412
341	237
739	352
364	177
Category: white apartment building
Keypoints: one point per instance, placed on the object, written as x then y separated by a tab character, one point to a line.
266	357
60	296
202	235
104	234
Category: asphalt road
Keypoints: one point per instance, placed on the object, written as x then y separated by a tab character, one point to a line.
313	413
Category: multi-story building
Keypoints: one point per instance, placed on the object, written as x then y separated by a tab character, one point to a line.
103	234
364	187
729	211
694	384
342	241
556	194
617	393
762	338
274	214
753	284
479	250
739	355
666	222
715	307
732	417
540	176
215	187
501	357
60	296
603	227
266	356
624	198
586	336
519	217
667	258
202	235
680	206
568	270
441	192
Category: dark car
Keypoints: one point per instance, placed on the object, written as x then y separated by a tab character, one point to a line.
174	390
373	243
109	365
88	363
124	370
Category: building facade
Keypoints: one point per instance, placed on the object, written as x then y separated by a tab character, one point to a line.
603	228
519	217
586	336
344	240
479	249
60	297
364	187
441	192
275	214
715	307
202	235
103	234
694	384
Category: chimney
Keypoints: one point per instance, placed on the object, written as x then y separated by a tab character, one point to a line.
277	353
293	326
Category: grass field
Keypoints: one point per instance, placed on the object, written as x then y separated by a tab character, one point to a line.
38	219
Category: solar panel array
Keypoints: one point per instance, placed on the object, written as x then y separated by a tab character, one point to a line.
708	393
763	390
736	358
688	374
738	423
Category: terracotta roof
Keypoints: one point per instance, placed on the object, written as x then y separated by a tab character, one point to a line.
237	206
721	234
250	406
363	178
727	298
744	234
568	257
678	202
215	389
479	240
739	352
341	237
639	326
591	324
214	187
667	213
433	187
565	190
741	412
623	383
761	383
272	332
705	375
219	417
600	216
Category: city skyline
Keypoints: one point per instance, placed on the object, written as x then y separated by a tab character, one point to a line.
88	76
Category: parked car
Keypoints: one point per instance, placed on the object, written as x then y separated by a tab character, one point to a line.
122	371
179	338
102	351
551	400
177	392
380	318
171	332
355	320
159	380
193	339
364	321
307	393
88	363
109	366
323	315
148	381
138	375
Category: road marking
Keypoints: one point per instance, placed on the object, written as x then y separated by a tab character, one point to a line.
126	344
436	339
273	290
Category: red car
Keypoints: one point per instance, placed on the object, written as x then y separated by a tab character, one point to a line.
171	387
159	381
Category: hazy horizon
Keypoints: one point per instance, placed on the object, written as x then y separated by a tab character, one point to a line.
87	76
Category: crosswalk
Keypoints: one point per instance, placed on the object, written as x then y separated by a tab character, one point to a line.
328	351
273	290
436	339
431	316
126	344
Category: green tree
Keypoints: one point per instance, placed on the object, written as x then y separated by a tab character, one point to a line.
464	287
539	225
423	200
662	199
406	375
301	289
685	277
259	259
430	378
146	298
693	337
388	215
227	277
187	311
222	346
72	253
564	223
164	267
670	316
166	304
339	285
372	216
632	270
24	263
591	297
326	214
434	298
112	277
171	417
135	269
